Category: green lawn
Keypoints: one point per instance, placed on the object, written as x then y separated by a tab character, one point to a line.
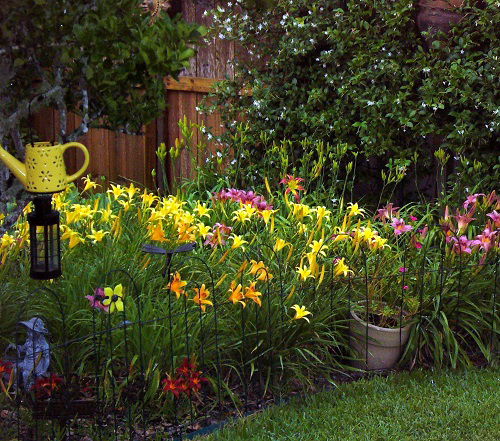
433	406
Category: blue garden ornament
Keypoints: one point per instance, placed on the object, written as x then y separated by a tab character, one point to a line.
33	357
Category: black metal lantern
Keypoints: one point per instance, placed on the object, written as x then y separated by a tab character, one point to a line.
45	243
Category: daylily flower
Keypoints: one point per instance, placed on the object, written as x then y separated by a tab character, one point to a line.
157	233
463	221
341	268
377	243
236	293
245	197
300	211
387	212
462	245
201	297
116	191
318	247
177	285
148	199
354	210
97	299
45	386
131	190
107	214
321	213
238	242
89	184
413	218
73	236
266	215
495	217
486	240
280	244
218	235
203	230
202	210
244	214
304	272
400	227
170	385
293	186
301	312
114	298
252	293
260	270
97	236
472	199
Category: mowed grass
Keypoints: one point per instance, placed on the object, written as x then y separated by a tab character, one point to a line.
433	406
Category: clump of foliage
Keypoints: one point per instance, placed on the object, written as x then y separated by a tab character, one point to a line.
105	61
358	73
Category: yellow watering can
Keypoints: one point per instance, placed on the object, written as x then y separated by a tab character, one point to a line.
44	171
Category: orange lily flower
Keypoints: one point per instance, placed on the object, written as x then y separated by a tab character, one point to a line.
253	294
177	285
201	297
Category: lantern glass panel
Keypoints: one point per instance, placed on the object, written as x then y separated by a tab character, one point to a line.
45	241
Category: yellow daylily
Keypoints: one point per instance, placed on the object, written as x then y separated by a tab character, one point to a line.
114	298
304	272
266	215
202	210
131	190
319	247
73	236
203	229
377	243
321	213
354	210
148	199
97	236
238	242
116	191
300	312
89	184
201	297
341	268
280	244
107	214
244	214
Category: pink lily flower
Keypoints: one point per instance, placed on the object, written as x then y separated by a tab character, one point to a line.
462	245
491	199
293	186
486	240
495	217
463	220
472	199
387	212
400	227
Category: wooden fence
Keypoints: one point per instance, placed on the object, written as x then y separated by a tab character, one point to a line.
120	157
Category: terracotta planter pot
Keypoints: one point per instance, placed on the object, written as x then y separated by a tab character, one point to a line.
385	345
437	15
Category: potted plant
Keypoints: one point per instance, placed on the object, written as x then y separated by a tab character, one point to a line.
383	298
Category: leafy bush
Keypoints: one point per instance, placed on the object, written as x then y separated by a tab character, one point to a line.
356	73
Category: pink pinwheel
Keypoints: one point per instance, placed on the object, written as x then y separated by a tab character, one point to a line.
400	227
97	298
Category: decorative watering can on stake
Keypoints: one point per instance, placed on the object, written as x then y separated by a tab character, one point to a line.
44	173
